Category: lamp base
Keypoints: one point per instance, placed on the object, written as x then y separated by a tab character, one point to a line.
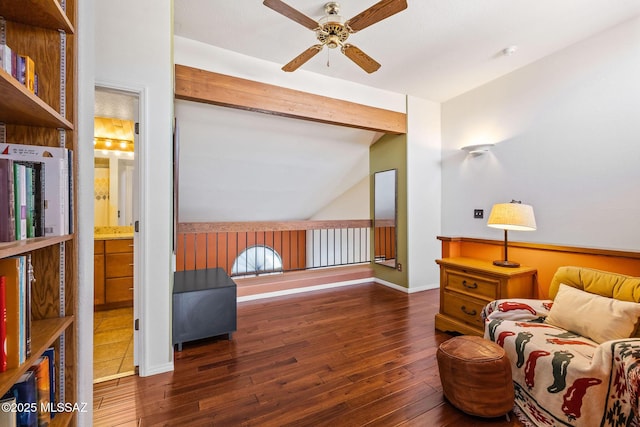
505	263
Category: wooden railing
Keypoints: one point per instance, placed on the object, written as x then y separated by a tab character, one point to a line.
300	244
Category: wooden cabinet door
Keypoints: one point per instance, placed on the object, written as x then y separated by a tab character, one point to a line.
98	280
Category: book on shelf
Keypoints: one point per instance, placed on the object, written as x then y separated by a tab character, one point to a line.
20	192
22	318
14	64
7	202
18	276
25	393
8	418
10	269
50	353
29	73
5	58
41	371
57	181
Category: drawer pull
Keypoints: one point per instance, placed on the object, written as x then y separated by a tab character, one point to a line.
468	286
467	312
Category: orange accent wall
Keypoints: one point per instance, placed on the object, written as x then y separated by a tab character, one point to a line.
546	258
210	250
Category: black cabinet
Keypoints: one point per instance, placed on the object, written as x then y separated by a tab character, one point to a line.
204	305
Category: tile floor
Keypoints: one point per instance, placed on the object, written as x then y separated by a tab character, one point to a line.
112	344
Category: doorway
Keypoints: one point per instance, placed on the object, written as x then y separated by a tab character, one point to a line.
115	212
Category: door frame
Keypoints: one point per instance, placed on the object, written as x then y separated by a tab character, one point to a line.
140	148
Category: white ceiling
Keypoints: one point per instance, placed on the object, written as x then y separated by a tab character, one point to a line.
435	49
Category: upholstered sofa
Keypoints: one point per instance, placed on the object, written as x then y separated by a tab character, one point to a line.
575	358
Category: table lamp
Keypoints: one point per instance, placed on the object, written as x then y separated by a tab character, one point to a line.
511	216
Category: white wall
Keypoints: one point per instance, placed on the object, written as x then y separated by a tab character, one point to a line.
84	189
200	55
423	193
353	203
240	165
134	45
566	129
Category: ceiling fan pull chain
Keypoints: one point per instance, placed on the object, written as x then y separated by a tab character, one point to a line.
328	57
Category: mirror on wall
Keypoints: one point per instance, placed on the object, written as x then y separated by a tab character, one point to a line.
113	190
384	217
114	166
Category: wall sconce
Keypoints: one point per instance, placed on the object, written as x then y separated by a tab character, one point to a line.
511	216
477	149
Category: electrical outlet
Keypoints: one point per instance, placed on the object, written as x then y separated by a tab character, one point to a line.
478	213
399	267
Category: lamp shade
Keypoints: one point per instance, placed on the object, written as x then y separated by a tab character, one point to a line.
512	216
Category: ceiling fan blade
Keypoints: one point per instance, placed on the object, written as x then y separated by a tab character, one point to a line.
379	11
291	13
363	60
296	62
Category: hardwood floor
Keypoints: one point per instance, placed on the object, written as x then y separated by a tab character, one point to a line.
352	356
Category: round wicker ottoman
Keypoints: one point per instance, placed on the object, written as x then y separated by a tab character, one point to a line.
476	376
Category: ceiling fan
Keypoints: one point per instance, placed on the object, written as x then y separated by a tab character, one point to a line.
332	31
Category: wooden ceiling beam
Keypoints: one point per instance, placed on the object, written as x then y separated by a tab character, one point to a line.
193	84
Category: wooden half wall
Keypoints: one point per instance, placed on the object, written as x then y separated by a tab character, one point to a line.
214	249
193	84
544	257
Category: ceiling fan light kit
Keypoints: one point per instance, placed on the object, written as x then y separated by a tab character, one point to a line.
333	31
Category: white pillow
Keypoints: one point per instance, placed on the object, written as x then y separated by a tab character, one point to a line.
593	316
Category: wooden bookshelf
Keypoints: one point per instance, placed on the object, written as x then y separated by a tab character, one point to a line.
45	332
38	13
32	28
20	107
18	247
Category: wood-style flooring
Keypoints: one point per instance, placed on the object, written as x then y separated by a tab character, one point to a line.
352	356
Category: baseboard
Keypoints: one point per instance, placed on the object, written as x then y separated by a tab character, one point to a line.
406	290
154	370
305	289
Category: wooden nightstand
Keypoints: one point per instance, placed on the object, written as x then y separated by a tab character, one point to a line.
467	285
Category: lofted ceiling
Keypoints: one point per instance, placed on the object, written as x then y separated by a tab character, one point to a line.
435	49
248	166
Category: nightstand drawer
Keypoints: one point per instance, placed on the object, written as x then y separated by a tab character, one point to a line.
478	286
464	309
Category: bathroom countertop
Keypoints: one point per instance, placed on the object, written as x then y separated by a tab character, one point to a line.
113	233
112	236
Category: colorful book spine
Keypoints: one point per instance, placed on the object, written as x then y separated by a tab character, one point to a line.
29	74
7	202
41	371
27	304
57	182
10	269
25	392
5	58
50	353
30	200
20	192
